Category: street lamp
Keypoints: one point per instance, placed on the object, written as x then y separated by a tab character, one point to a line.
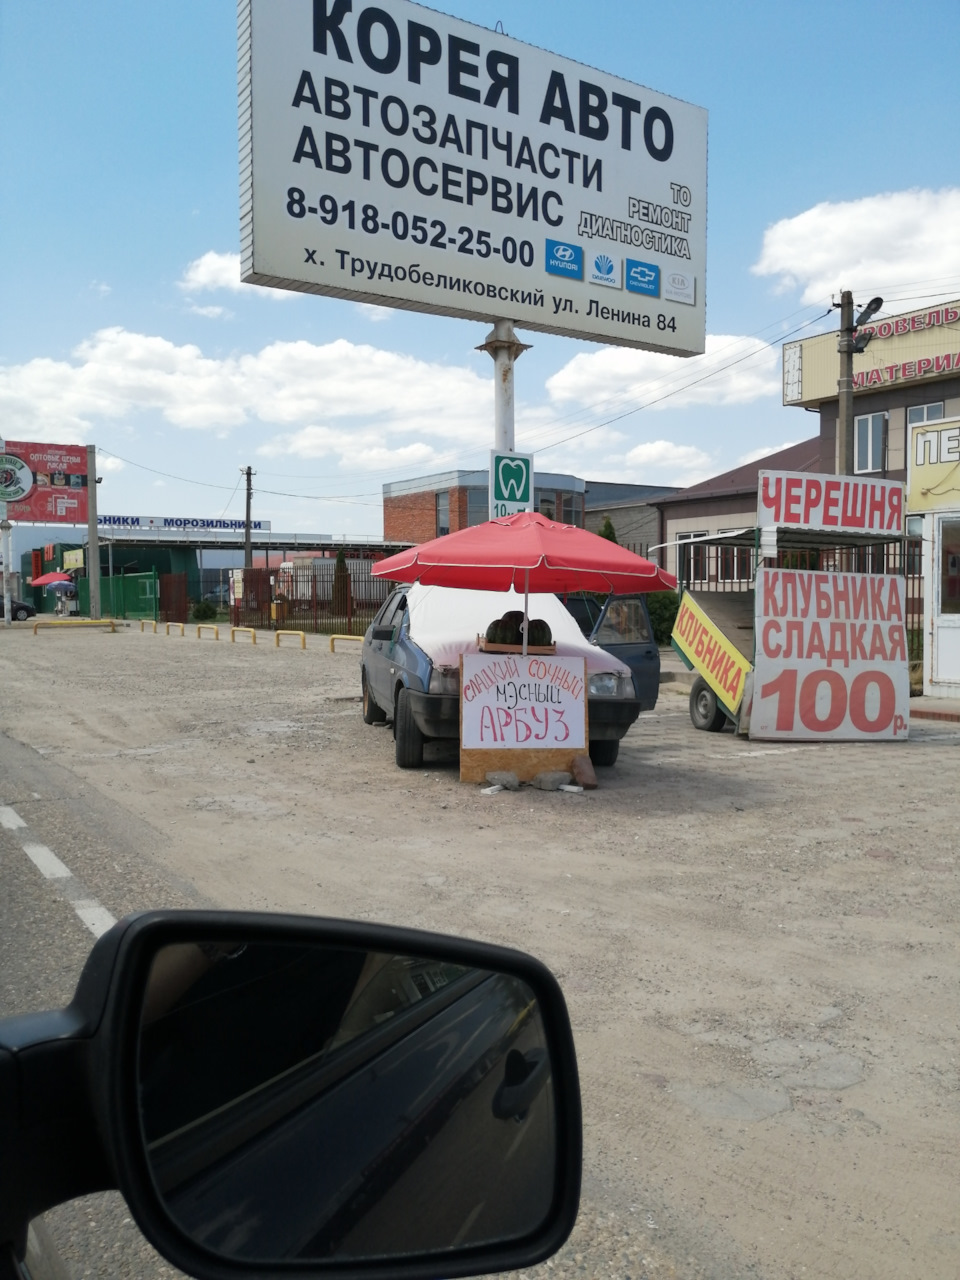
847	344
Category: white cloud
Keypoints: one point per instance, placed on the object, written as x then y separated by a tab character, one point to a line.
376	315
213	271
756	454
733	370
362	406
890	244
212	313
107	463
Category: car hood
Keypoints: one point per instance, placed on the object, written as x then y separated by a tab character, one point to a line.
447	621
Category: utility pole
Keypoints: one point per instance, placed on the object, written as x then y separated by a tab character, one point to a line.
847	345
93	536
247	548
501	343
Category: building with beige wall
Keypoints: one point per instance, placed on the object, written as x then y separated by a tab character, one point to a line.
909	374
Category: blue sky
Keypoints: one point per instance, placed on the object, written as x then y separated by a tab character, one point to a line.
833	162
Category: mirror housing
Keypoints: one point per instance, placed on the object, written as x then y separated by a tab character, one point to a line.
92	1053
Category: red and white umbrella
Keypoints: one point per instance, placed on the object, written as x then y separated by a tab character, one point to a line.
48	579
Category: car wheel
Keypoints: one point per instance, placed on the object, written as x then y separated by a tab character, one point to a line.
604	752
409	742
372	714
21	615
704	711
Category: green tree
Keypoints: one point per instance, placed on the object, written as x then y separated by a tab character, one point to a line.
607	530
662	606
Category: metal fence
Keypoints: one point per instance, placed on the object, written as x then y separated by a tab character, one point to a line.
712	566
311	597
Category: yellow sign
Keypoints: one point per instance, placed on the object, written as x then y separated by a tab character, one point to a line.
933	472
73	559
710	653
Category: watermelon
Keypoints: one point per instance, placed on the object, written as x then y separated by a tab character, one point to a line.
539	633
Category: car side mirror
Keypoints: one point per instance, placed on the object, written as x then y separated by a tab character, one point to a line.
305	1097
382	633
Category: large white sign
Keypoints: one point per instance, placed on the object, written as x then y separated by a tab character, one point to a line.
395	155
511	701
851	504
179	523
831	656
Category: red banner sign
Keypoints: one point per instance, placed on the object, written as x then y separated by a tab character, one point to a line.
44	482
799	500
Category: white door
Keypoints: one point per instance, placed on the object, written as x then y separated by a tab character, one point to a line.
946	615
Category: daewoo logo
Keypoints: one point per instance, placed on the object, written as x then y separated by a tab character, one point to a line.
513	479
603	266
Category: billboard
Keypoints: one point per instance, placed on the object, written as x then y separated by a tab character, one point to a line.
831	657
394	155
46	483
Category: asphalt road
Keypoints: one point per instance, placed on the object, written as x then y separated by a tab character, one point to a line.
44	943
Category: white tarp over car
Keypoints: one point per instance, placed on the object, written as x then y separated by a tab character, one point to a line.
446	621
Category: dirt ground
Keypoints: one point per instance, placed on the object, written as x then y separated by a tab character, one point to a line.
758	944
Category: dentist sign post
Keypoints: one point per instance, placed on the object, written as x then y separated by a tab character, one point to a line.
511	483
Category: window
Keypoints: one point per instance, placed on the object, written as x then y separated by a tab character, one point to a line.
547	503
443	513
869	431
950	566
624	622
478	506
735	564
692	563
924	413
572	509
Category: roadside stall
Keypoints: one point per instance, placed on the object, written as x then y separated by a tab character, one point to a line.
523	706
812	643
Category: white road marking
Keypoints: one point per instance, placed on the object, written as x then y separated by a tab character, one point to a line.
10	820
47	862
96	917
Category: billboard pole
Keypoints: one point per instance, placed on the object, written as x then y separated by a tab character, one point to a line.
93	537
502	345
5	550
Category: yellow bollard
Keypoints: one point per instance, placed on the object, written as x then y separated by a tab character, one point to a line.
208	626
333	638
76	622
246	630
143	623
301	634
174	624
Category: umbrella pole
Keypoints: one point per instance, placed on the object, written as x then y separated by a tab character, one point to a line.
526	600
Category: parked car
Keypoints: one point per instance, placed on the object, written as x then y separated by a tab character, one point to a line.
410	666
621	625
20	611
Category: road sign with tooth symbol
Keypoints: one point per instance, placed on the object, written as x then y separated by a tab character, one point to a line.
511	483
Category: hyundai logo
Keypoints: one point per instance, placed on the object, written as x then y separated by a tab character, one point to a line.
564	252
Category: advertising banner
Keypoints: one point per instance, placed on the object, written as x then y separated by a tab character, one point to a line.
933	474
394	155
848	504
831	660
511	702
178	523
710	653
46	483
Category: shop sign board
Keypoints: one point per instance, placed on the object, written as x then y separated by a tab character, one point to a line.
511	483
45	483
933	466
831	657
710	653
828	503
392	154
73	559
178	524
